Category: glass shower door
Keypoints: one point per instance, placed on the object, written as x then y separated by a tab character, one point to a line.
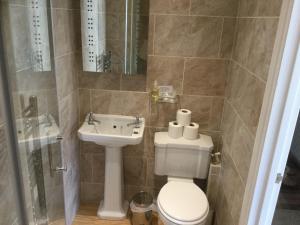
28	55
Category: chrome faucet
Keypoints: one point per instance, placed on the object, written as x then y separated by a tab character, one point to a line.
136	122
92	120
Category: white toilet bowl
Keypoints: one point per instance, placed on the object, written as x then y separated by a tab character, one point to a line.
182	203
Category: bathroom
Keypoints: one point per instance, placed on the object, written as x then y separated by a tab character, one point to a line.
211	57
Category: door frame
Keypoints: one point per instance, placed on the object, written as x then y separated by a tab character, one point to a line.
277	121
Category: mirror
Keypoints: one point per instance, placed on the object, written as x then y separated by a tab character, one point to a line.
115	36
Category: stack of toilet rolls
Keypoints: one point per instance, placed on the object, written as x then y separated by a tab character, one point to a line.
183	126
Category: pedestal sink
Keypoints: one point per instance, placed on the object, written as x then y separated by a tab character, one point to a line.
114	132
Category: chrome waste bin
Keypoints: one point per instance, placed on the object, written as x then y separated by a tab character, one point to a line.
140	209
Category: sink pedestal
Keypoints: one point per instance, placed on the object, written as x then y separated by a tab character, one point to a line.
113	206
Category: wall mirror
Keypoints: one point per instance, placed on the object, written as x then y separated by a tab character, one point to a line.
115	36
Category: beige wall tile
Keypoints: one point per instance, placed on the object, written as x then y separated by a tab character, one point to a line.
243	41
232	186
98	164
67	4
121	103
205	77
228	124
214	7
84	98
254	45
162	114
66	75
216	114
134	170
187	36
66	31
223	214
90	147
134	82
200	107
260	8
261	47
179	7
227	42
91	192
2	108
166	70
68	115
212	190
86	167
28	79
245	93
241	149
151	35
103	81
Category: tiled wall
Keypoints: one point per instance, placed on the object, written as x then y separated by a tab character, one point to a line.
190	44
67	41
248	73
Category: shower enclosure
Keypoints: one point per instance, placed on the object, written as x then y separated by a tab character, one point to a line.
31	142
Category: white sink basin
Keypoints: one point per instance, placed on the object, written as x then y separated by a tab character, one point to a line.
37	134
114	132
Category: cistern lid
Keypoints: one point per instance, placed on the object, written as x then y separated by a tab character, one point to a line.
183	202
203	143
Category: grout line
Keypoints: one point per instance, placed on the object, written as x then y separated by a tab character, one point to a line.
24	69
189	57
183	75
147	92
190	7
258	17
221	37
153	34
251	73
234	38
90	95
191	15
239	117
67	54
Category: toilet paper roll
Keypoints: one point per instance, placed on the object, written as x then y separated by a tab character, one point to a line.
184	116
175	130
191	131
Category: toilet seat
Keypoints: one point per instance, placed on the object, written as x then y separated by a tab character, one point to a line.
183	203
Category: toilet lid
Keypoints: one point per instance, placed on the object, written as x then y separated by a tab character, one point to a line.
183	201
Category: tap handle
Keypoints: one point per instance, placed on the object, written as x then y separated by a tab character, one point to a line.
138	118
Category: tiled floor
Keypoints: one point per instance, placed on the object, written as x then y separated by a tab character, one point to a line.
286	217
87	216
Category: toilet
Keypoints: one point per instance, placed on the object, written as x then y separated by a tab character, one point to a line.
180	201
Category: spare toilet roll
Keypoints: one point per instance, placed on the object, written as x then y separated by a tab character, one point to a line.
184	116
175	129
191	131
